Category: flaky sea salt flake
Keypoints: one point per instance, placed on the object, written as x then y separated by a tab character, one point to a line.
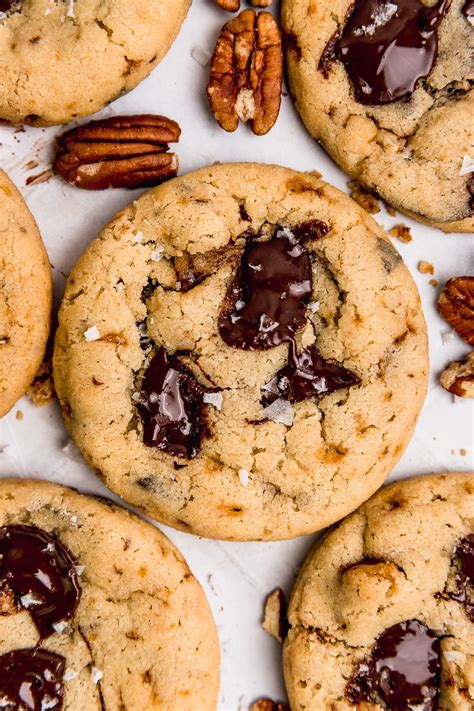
60	626
214	399
280	411
92	334
70	674
467	165
244	477
96	675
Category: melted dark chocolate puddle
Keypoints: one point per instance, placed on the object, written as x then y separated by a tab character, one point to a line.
266	304
387	46
307	375
32	679
172	407
40	572
403	669
464	592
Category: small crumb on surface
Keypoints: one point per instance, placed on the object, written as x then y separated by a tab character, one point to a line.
463	452
425	267
41	390
401	232
274	615
363	197
19	415
434	283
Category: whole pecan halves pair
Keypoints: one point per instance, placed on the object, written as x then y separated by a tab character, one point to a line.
118	152
246	73
234	5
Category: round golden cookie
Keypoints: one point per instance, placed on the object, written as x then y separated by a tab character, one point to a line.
382	613
63	59
416	148
101	605
25	296
146	313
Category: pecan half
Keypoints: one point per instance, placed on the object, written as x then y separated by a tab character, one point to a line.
229	5
246	73
458	378
456	305
118	152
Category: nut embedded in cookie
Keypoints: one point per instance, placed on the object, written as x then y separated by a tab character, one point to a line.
246	73
119	152
456	306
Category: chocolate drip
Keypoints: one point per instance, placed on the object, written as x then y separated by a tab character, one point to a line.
171	406
387	46
307	375
265	304
464	592
468	11
40	572
31	679
403	670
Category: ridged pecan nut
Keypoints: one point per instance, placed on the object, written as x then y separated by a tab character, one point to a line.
229	5
118	152
458	378
456	305
246	73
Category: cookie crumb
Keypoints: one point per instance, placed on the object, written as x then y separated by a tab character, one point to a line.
274	615
401	232
363	197
425	267
463	452
316	174
41	390
244	477
453	451
92	334
19	415
434	283
390	210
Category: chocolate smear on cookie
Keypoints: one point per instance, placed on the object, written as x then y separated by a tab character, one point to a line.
172	408
40	573
31	679
464	580
402	671
387	46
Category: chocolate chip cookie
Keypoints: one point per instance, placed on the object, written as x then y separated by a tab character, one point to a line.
386	87
63	59
382	612
98	610
25	296
241	353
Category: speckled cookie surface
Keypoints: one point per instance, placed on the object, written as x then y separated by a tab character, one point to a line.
25	296
412	151
141	635
394	560
63	59
253	476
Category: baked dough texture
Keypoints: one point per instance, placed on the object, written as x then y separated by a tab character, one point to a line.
63	59
410	152
249	481
25	296
389	561
142	622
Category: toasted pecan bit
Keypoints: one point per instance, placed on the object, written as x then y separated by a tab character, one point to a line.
41	390
274	616
269	705
456	305
401	232
261	3
425	267
246	73
229	5
458	378
363	197
119	152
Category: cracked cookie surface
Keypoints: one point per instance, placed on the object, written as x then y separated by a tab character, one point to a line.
413	150
25	296
396	562
156	279
63	59
142	634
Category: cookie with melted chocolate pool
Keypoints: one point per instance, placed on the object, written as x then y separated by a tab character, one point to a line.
98	610
241	353
381	614
387	88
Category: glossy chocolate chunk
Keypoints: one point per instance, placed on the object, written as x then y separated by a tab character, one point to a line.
40	572
171	406
266	302
464	559
307	375
403	670
31	679
387	46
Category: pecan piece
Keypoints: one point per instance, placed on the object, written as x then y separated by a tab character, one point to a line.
269	705
118	152
246	73
229	5
456	305
274	616
458	378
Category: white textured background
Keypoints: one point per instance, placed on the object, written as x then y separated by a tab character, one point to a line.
236	576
